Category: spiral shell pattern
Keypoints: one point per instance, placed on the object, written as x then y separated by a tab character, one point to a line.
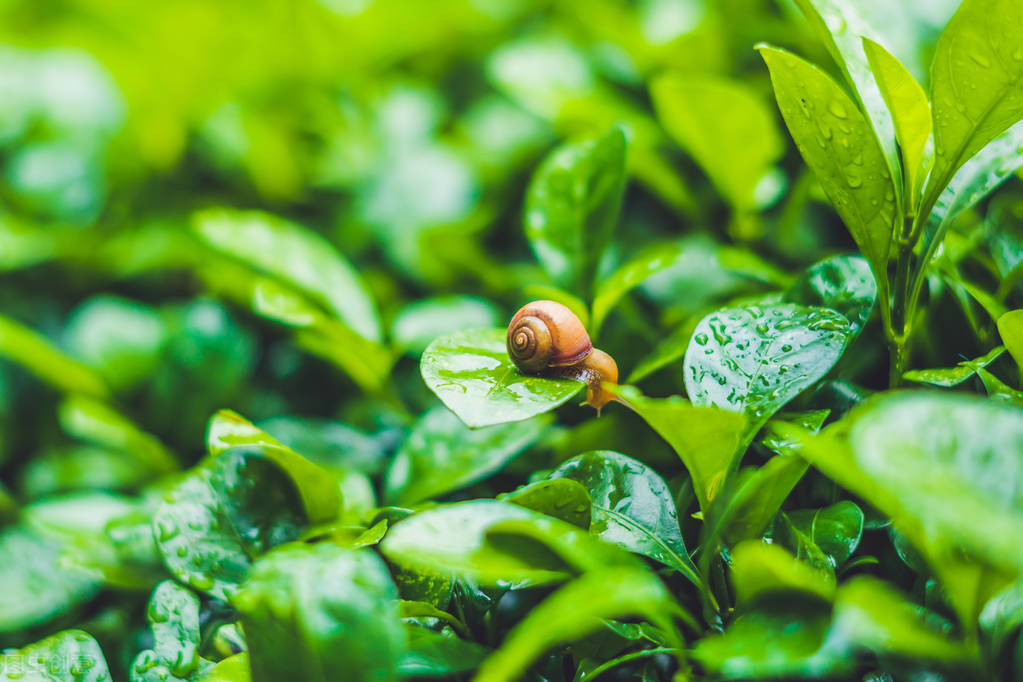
546	334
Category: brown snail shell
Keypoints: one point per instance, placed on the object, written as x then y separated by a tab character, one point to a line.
545	334
545	337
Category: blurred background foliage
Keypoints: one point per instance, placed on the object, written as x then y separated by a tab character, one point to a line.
273	205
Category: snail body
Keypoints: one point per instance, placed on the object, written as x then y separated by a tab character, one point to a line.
546	338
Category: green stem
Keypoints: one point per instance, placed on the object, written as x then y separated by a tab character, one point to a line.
899	328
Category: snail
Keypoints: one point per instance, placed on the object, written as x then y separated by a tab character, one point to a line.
545	337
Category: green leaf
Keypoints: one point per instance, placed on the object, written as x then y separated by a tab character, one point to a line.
34	352
37	587
420	322
561	498
576	610
68	656
312	612
952	462
611	289
1010	328
841	25
224	514
998	390
839	146
705	439
842	283
953	376
295	255
471	373
910	114
726	127
836	530
756	359
572	206
317	487
760	569
97	423
231	669
760	496
976	84
632	507
174	619
441	455
491	542
438	654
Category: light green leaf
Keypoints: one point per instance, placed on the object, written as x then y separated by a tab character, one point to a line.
842	283
312	612
756	359
836	530
724	125
224	514
34	352
976	84
1010	328
560	498
910	114
839	146
841	25
611	289
231	669
471	373
760	496
441	455
317	487
953	376
760	569
295	255
68	656
706	439
572	206
632	507
576	610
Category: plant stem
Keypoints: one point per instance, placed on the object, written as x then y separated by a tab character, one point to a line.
899	332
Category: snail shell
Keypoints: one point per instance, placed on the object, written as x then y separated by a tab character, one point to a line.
545	334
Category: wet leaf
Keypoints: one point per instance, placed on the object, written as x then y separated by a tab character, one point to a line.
473	376
953	376
842	283
561	498
69	655
835	530
632	507
174	619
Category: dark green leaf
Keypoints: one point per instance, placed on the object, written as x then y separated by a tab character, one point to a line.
472	374
839	146
836	530
314	612
842	283
438	654
760	496
572	206
632	507
441	455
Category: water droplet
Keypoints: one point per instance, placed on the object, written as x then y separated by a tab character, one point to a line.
701	339
980	59
786	348
837	109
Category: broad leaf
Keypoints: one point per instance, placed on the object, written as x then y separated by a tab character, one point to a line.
910	114
841	25
441	455
705	439
473	376
756	359
314	612
576	610
839	146
223	515
572	206
633	273
69	655
438	654
760	496
632	507
976	84
1010	328
842	283
724	125
561	498
295	255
